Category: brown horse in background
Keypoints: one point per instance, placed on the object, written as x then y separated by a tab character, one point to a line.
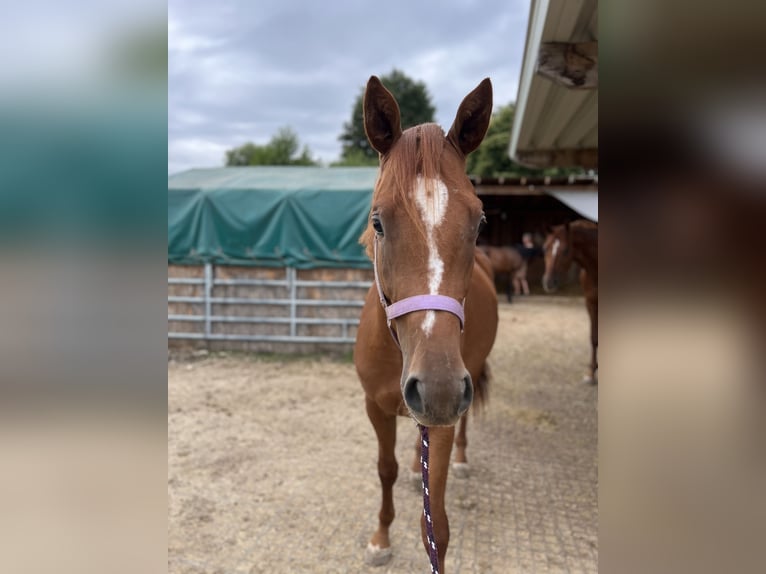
483	260
576	241
507	260
425	363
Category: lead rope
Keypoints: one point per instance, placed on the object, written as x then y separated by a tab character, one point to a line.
432	553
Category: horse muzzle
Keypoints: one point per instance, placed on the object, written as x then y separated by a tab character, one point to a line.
437	400
550	284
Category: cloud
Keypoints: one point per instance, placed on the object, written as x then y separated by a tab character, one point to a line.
239	71
184	153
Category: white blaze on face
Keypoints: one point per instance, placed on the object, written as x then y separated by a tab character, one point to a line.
555	247
432	202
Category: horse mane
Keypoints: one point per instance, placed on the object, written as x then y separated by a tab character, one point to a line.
584	225
416	154
583	236
583	230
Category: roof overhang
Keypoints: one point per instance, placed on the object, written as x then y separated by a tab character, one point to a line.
583	202
556	122
535	185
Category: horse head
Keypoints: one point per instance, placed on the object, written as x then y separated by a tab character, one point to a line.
557	255
421	235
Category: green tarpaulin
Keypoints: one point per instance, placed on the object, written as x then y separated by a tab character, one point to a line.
303	217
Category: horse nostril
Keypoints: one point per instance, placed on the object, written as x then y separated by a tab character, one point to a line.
413	396
467	398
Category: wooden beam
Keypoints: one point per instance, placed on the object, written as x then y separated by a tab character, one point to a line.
508	190
585	158
539	189
571	65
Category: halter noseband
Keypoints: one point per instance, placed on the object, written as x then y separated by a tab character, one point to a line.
415	303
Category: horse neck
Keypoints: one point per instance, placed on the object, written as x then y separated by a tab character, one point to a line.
584	243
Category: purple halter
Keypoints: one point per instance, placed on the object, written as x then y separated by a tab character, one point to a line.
415	303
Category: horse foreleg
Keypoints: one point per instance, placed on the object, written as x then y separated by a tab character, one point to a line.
440	449
460	465
415	473
379	548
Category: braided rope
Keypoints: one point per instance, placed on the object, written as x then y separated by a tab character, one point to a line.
432	553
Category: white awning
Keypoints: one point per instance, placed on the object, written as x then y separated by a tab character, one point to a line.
556	123
583	202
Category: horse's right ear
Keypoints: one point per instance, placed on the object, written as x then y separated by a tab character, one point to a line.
382	122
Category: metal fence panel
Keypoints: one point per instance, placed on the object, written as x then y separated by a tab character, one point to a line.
338	303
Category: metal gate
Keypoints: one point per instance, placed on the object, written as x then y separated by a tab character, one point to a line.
288	311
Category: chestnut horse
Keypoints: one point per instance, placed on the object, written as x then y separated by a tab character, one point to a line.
430	321
576	241
507	260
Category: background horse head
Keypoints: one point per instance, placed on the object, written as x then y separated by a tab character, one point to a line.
424	221
558	256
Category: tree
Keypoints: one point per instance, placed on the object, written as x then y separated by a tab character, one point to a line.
491	158
140	54
282	149
414	105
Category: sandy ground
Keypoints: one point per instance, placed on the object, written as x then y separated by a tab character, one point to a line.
272	461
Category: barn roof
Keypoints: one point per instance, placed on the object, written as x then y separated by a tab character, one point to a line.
301	217
584	203
556	120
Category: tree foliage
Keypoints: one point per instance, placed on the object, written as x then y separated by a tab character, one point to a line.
491	158
140	54
282	149
414	105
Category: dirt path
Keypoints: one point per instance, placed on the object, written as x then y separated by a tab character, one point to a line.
272	462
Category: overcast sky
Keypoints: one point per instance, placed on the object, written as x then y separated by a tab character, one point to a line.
239	70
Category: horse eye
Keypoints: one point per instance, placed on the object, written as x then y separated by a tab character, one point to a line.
482	223
377	225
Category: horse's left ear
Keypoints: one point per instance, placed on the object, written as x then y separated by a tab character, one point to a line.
472	119
382	122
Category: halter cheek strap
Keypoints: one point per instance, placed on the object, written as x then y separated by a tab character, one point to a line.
415	303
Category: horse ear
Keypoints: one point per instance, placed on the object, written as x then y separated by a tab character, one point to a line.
382	122
472	119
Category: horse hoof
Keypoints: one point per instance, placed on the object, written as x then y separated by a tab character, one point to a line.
460	469
377	556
